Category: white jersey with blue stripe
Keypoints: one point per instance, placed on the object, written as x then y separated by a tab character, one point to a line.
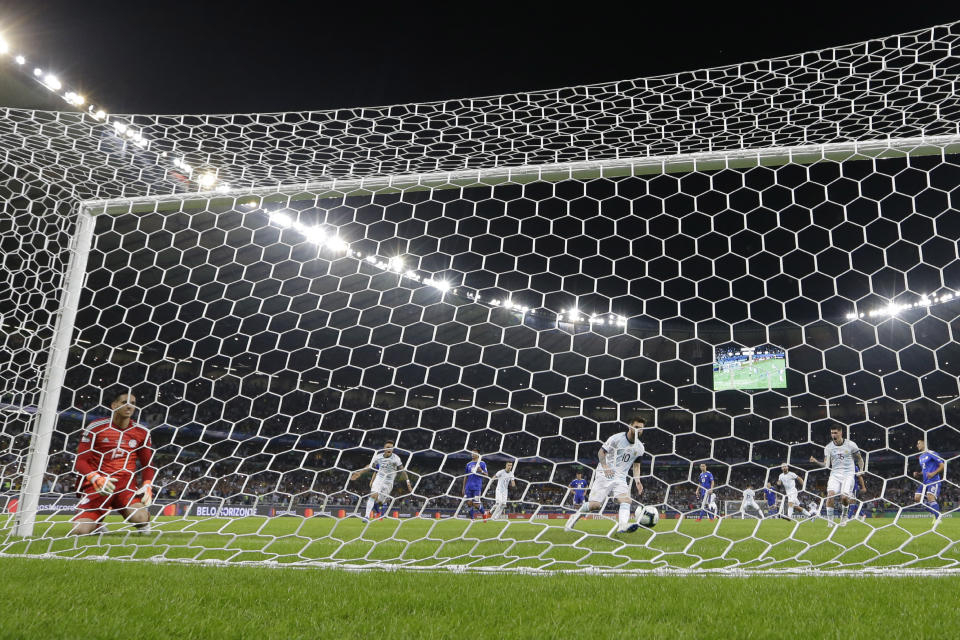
840	457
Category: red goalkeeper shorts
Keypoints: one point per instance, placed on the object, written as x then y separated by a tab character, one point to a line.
94	506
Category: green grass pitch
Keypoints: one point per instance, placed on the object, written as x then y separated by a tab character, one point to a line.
46	598
538	544
759	374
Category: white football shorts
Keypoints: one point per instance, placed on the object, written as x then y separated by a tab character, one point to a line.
603	486
841	484
381	487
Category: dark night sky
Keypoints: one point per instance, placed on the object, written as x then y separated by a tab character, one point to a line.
221	57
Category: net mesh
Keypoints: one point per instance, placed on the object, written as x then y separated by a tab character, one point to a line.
516	275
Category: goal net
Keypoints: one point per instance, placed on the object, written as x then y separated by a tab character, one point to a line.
744	257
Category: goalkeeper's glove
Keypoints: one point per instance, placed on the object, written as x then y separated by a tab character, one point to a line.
104	485
145	492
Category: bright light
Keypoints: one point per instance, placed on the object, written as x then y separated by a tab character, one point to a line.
52	82
4	47
337	243
74	98
20	60
315	235
396	264
443	285
100	115
282	220
38	72
121	128
207	179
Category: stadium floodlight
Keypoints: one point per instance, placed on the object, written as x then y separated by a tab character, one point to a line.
20	60
179	163
336	243
316	235
207	179
4	46
38	72
52	82
281	219
396	264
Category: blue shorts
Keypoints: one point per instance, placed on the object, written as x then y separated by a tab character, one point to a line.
471	493
578	499
930	487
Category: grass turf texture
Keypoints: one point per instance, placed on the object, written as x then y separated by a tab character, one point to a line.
746	544
53	599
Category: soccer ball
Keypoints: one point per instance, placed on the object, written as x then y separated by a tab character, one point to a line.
647	516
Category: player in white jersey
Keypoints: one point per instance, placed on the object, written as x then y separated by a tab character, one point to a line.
788	480
840	456
387	465
617	456
505	480
750	502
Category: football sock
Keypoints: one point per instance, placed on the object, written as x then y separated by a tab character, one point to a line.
829	513
369	506
624	515
934	506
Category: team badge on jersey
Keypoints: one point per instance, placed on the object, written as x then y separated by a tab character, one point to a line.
133	443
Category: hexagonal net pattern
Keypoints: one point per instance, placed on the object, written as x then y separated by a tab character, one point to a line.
279	333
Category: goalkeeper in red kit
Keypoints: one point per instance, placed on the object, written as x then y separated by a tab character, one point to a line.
107	459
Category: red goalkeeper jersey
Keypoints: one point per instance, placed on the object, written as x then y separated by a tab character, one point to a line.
111	451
